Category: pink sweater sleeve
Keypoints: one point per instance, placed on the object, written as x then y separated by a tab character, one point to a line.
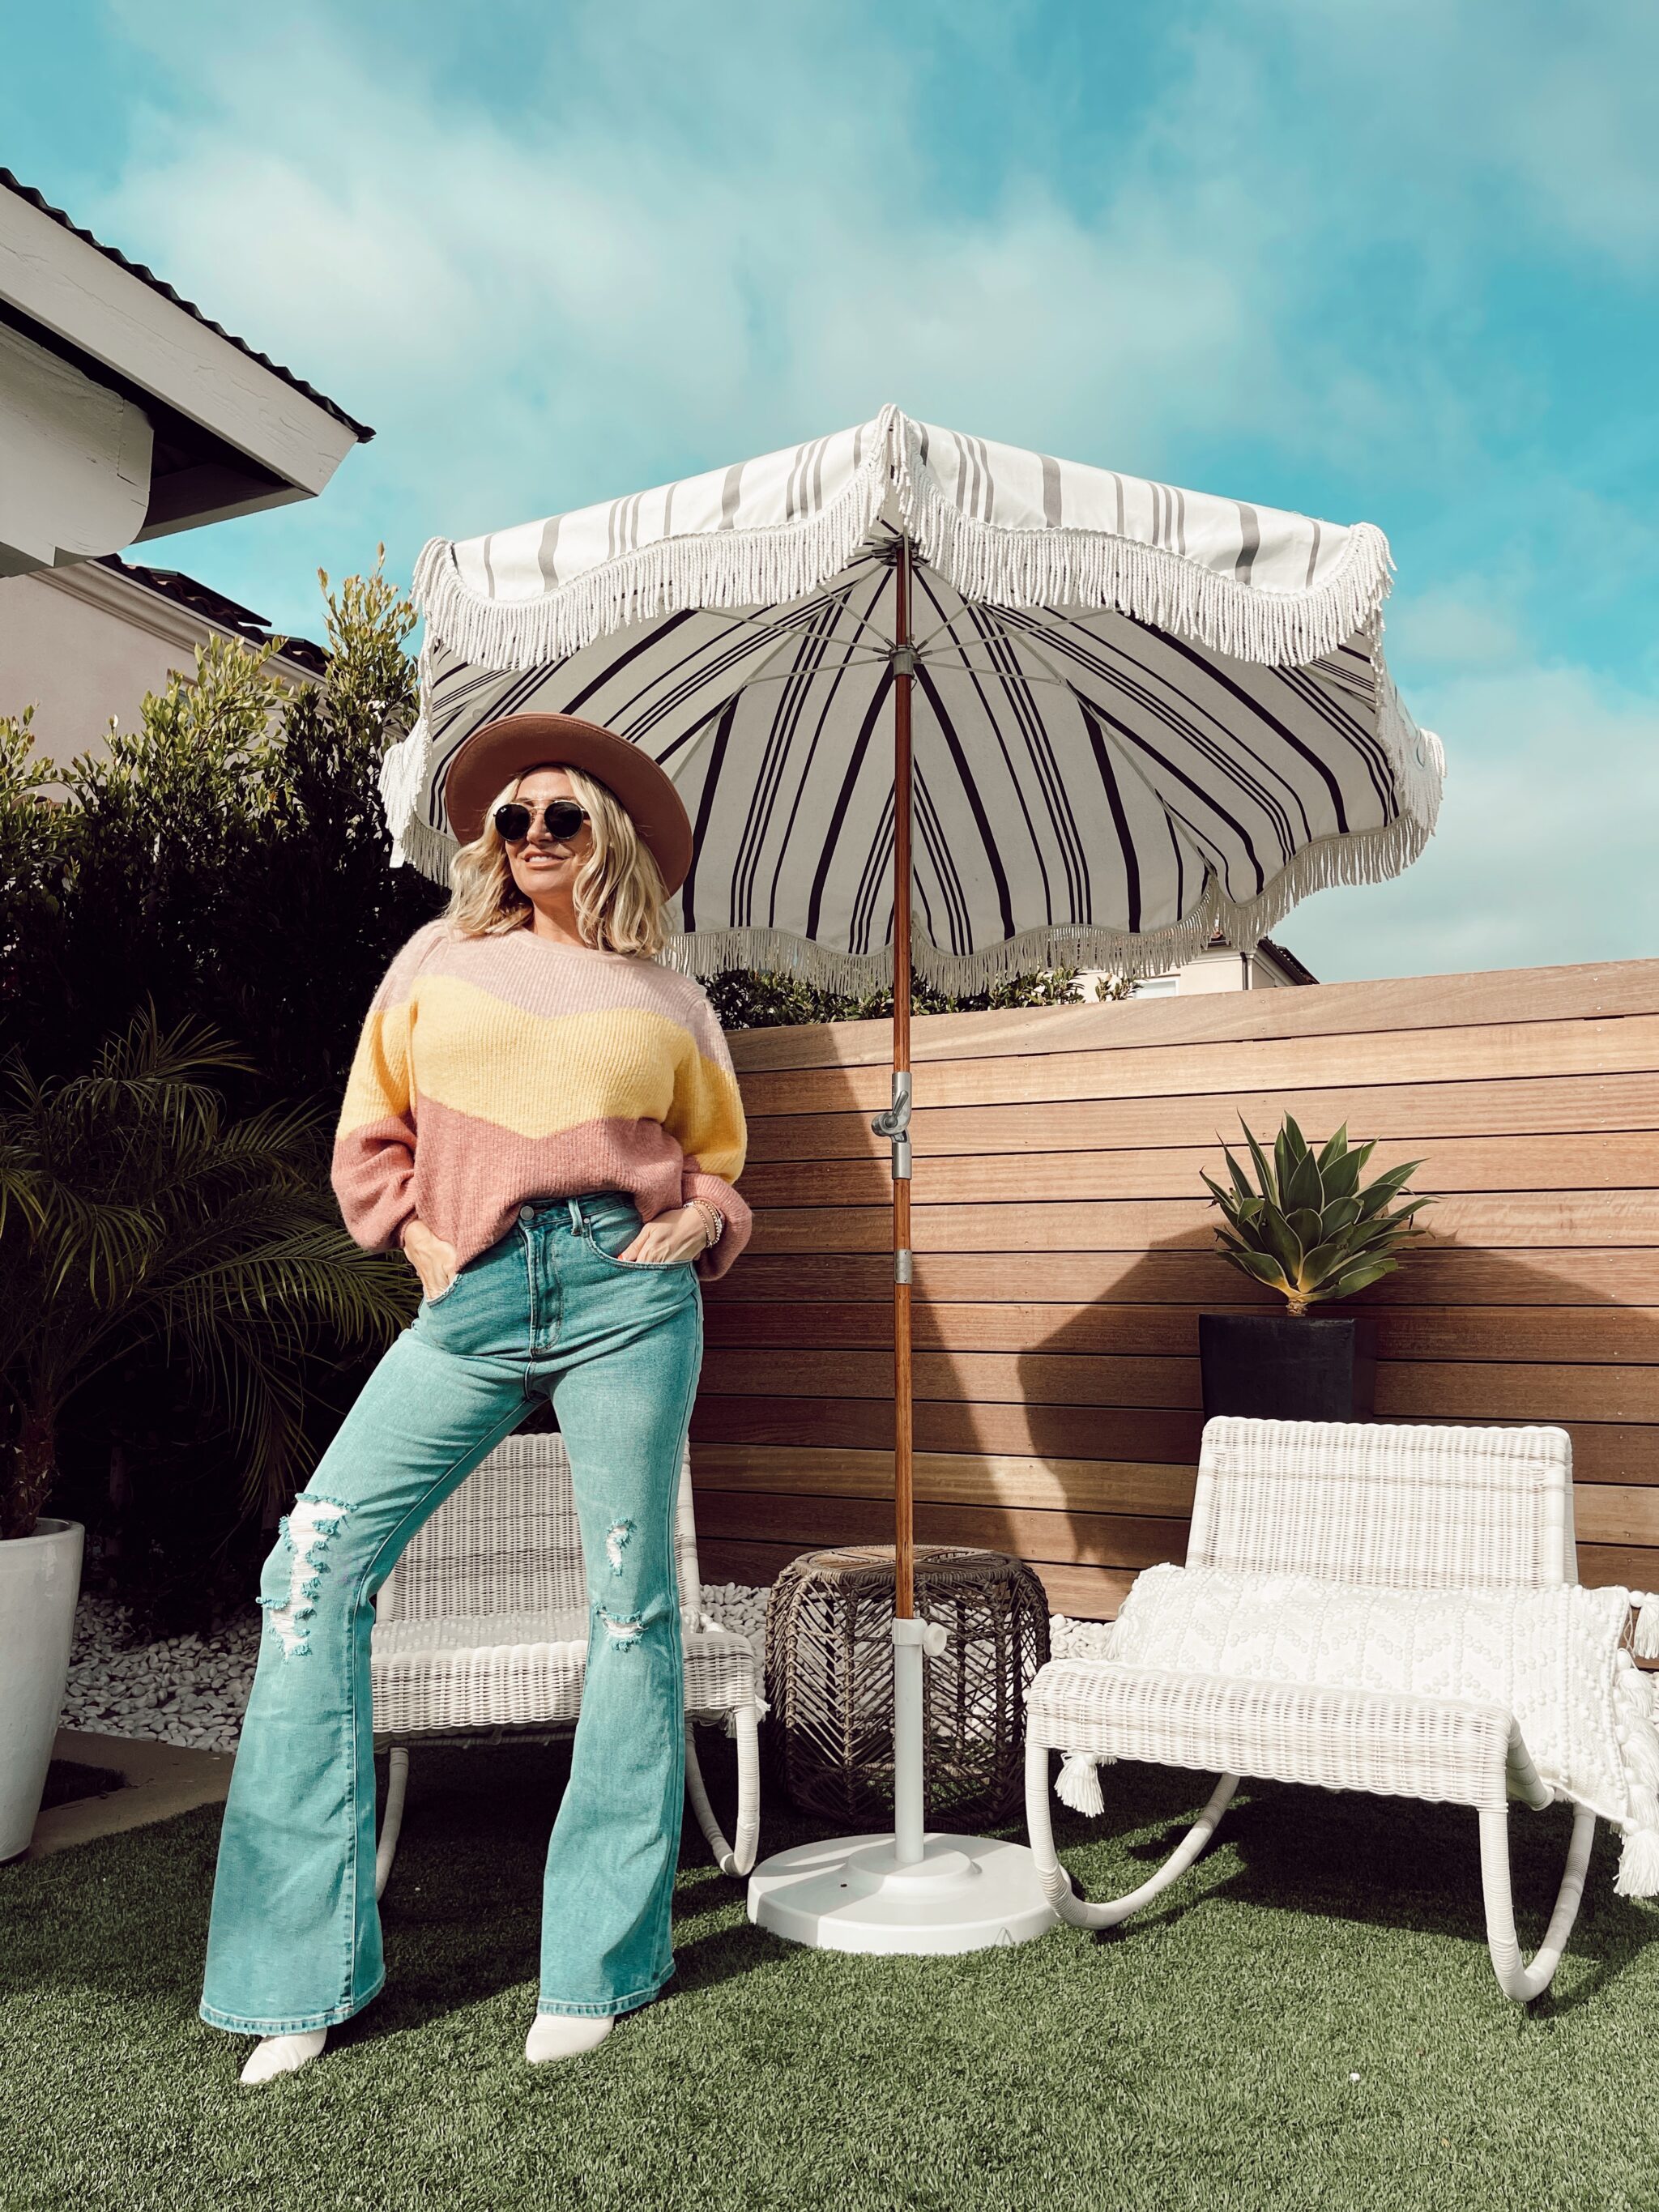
708	1121
374	1163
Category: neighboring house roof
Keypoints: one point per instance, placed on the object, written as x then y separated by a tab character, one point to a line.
1287	960
1295	972
215	607
360	430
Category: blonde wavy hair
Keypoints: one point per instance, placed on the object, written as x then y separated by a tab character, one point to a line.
618	893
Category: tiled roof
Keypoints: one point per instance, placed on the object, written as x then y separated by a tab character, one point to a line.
1287	960
215	607
1298	972
149	276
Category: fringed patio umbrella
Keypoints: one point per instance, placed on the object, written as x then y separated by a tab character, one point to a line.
941	708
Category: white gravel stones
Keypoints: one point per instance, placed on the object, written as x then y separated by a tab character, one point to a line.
736	1607
192	1689
189	1689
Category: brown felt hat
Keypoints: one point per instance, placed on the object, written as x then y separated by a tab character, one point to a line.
497	752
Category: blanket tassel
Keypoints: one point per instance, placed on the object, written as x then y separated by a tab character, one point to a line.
1078	1784
1638	1864
1645	1640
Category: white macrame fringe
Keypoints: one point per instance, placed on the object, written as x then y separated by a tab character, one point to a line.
403	784
1638	1864
1085	569
779	951
1367	856
1639	1742
426	848
1644	1638
1371	856
1417	756
1096	568
703	568
1078	1784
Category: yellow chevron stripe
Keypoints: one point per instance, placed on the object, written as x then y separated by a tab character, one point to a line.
378	1082
538	1074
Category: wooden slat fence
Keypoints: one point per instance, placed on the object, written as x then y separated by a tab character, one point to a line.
1064	1251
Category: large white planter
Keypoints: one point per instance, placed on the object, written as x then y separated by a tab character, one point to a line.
40	1583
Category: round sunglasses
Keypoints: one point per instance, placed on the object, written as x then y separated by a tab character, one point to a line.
563	818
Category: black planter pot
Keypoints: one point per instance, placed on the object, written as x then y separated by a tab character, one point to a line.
1317	1367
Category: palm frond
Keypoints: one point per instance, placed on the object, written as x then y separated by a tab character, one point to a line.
141	1220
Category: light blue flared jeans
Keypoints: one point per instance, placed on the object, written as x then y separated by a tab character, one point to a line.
294	1942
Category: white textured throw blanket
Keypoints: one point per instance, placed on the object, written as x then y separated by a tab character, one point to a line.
1554	1658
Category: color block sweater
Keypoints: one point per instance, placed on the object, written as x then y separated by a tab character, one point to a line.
491	1070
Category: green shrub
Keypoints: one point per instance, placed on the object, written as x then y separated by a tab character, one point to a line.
226	861
754	1000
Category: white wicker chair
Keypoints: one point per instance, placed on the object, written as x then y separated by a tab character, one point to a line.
481	1630
1402	1507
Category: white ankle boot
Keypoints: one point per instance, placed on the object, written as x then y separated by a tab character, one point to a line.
563	2035
283	2054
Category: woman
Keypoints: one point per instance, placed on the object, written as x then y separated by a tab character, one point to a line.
547	1122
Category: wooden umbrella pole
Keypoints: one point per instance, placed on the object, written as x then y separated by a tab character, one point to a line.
903	1492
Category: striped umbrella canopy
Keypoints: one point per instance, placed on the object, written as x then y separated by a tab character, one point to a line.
1141	714
937	706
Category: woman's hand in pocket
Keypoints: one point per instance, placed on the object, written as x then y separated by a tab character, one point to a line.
679	1235
433	1260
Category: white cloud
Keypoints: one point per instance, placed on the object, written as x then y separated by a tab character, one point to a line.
676	238
1470	623
672	264
1546	106
1544	848
669	245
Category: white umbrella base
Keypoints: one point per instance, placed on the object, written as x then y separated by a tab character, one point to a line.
851	1894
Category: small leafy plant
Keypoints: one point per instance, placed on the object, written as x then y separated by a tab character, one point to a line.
1307	1227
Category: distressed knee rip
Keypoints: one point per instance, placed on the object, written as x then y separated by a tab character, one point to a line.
623	1629
305	1532
616	1543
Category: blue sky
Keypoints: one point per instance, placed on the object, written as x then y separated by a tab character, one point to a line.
1398	264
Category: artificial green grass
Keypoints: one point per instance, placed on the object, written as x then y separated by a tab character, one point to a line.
1308	2020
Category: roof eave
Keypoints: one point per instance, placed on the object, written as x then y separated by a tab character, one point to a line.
121	326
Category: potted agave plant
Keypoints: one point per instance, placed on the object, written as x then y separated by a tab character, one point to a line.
1307	1226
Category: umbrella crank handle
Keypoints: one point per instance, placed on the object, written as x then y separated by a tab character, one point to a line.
895	1122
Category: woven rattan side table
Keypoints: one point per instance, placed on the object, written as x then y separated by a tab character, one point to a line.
829	1680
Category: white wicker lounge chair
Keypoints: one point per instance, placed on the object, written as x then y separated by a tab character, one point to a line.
1402	1508
481	1630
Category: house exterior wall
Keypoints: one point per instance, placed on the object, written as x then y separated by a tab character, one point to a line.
85	643
1219	968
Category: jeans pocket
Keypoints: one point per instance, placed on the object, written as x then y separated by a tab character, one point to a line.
622	1233
639	1267
466	1268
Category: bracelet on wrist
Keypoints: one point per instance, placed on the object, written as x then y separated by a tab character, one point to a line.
711	1217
